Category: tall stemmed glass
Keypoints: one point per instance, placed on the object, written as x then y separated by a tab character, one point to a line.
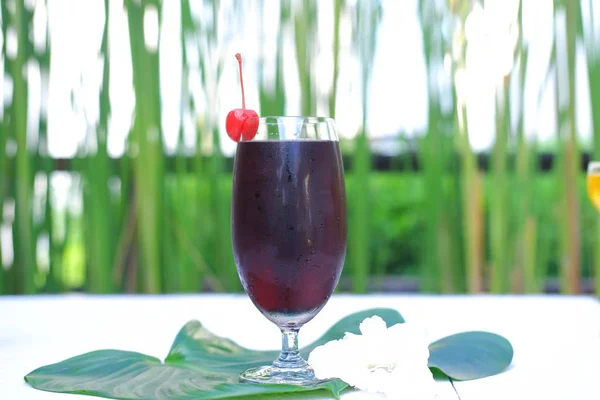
289	230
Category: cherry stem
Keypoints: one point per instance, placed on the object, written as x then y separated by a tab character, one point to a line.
238	56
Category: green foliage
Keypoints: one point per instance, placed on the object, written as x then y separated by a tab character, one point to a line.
398	233
457	229
147	137
24	243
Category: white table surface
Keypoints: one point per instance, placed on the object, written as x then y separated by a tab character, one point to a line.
556	339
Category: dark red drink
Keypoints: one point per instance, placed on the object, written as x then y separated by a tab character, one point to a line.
289	225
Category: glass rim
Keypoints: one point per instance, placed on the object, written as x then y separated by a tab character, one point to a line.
293	128
304	119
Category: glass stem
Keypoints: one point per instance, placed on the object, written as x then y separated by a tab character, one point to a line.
290	355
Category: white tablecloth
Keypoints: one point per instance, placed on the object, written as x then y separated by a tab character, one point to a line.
556	339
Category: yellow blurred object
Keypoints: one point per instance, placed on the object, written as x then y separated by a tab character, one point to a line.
593	189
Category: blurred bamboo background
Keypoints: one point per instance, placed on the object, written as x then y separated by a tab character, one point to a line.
441	216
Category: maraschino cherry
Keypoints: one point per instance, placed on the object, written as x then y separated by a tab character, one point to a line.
241	122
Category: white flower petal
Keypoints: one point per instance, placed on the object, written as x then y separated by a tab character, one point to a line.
380	360
373	326
324	359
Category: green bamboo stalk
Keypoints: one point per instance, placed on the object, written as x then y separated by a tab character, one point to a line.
8	164
546	245
5	133
450	232
442	266
560	207
526	245
190	278
173	275
531	280
527	248
201	215
220	209
305	28
359	217
125	264
23	234
574	273
73	273
234	283
218	212
499	212
368	16
124	269
272	102
87	231
193	277
100	240
472	223
432	154
74	256
570	272
54	282
338	7
148	164
592	48
183	277
219	201
197	259
432	211
175	201
54	278
477	280
98	213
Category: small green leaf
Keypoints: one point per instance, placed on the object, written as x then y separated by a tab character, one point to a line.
471	355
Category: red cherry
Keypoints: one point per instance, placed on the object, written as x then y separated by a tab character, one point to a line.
241	122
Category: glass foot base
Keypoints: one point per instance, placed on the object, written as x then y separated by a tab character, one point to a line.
271	374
